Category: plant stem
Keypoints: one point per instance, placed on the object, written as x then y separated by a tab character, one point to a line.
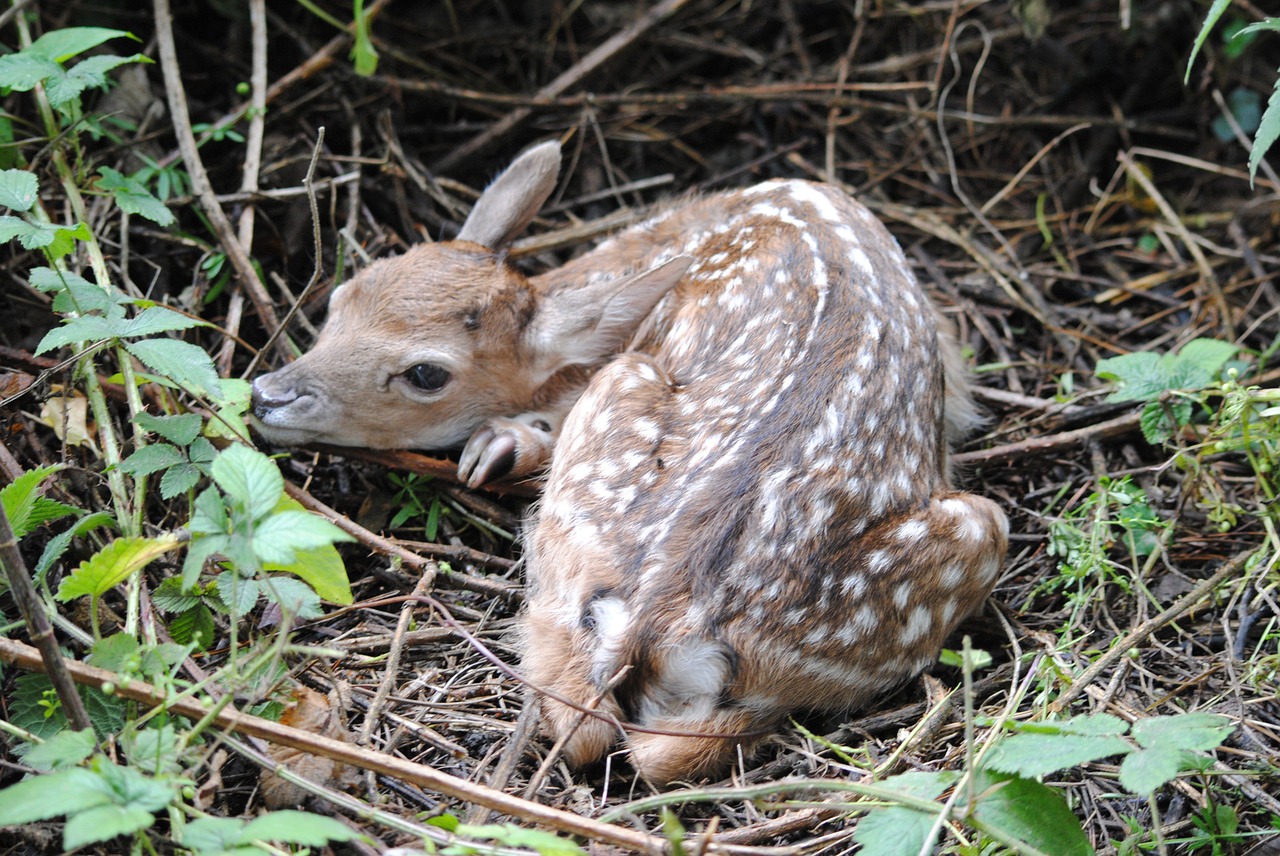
24	592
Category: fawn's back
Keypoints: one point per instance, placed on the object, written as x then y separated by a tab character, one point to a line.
749	511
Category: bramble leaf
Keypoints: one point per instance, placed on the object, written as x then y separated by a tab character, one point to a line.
26	508
249	478
895	830
1034	755
180	430
1027	813
131	194
18	189
182	362
111	565
61	45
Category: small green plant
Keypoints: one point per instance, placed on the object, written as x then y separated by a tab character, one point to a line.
1269	123
417	500
1168	383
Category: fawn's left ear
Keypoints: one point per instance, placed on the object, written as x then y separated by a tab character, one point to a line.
580	324
515	197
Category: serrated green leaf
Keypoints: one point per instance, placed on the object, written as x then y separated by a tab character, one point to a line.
279	536
159	319
1019	810
321	567
296	827
63	44
180	430
178	479
1137	376
114	652
211	834
510	835
152	459
1268	132
1211	18
111	565
154	750
23	71
294	597
63	750
25	507
1035	755
103	823
1147	770
170	597
49	795
1192	731
182	362
64	240
1198	363
209	515
193	626
897	830
249	478
73	293
19	189
132	195
238	593
75	331
26	710
1095	724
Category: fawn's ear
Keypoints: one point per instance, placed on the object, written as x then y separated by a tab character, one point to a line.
507	205
582	323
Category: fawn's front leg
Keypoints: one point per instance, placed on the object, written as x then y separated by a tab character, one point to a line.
515	447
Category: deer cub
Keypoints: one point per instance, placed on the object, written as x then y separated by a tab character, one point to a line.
748	511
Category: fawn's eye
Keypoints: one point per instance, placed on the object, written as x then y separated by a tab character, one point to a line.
427	377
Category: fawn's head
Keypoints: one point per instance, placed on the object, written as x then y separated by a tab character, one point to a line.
420	349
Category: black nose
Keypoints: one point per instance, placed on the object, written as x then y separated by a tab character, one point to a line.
265	397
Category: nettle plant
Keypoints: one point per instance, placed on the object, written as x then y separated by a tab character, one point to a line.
246	541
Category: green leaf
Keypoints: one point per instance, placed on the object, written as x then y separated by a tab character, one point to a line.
898	830
296	827
249	478
293	596
1096	724
103	823
238	593
114	652
23	71
152	459
25	507
1034	755
61	45
228	419
1198	363
182	362
180	430
193	626
133	196
1191	731
1268	132
209	515
1147	770
321	567
510	835
63	750
111	565
50	795
26	710
212	835
170	597
159	319
1137	376
178	480
1033	815
1215	12
155	749
18	189
277	537
74	331
72	292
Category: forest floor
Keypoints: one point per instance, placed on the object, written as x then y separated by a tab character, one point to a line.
1055	183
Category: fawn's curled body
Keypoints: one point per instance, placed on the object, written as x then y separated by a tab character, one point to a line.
746	403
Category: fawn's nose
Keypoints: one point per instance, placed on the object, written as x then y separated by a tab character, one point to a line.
270	392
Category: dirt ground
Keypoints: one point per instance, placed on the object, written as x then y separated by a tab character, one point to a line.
1055	183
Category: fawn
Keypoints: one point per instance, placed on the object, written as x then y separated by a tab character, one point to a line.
745	402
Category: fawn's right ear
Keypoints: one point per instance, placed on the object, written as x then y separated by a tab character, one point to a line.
514	198
581	323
